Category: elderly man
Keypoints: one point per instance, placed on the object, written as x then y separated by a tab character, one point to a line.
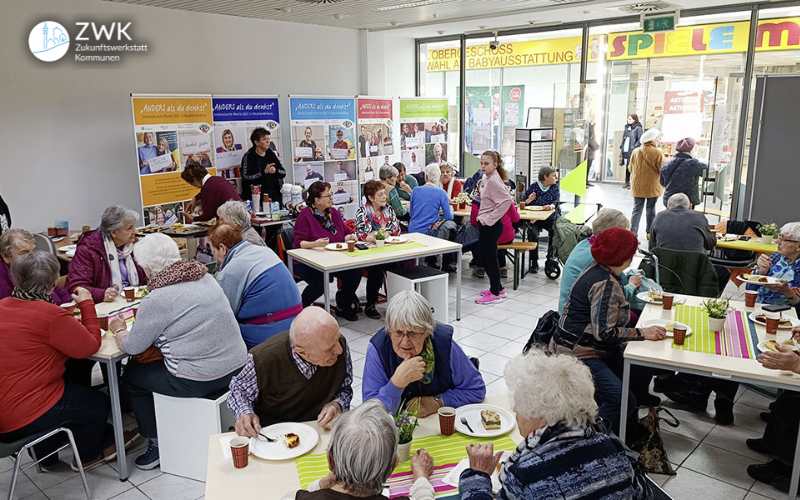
235	212
294	376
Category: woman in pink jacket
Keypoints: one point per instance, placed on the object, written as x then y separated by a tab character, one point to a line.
510	218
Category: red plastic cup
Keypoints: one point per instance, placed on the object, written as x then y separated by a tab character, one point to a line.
130	293
102	318
351	246
135	309
773	320
522	205
666	300
240	451
679	334
447	420
750	298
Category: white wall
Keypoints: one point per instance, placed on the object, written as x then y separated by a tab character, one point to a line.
387	62
66	128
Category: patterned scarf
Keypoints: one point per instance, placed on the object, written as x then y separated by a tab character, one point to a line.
428	357
177	272
21	294
325	220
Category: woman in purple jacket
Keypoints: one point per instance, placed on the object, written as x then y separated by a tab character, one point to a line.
316	226
13	244
104	262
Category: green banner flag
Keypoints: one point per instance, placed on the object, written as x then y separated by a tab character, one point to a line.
423	108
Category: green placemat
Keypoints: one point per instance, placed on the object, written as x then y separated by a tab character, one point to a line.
702	339
386	248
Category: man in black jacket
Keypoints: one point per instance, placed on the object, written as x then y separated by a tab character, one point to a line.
261	167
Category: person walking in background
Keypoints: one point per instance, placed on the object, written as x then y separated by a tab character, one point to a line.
630	140
682	173
645	168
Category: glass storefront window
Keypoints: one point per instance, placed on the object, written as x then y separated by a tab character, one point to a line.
439	77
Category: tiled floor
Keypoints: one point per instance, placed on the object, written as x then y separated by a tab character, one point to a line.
710	459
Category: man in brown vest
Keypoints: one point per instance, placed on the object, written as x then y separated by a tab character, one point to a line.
294	376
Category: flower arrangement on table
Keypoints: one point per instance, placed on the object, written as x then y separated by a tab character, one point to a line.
717	309
462	200
380	237
406	421
768	232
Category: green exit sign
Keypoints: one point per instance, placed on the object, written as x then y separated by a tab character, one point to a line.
658	23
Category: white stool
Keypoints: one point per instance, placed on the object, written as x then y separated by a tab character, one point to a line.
428	282
184	425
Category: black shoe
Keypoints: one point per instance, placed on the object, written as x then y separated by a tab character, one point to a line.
766	473
689	398
535	269
589	185
674	383
504	273
782	483
766	416
449	268
371	312
758	445
348	315
724	411
626	186
648	400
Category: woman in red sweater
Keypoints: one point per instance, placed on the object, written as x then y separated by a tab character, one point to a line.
37	338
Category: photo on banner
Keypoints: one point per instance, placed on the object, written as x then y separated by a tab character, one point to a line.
424	129
376	146
341	170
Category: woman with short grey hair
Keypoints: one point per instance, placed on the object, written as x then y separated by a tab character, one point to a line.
414	360
553	398
388	175
362	454
427	202
15	243
104	262
235	212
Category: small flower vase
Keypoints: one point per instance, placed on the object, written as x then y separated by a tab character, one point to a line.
403	452
462	206
380	243
716	324
767	239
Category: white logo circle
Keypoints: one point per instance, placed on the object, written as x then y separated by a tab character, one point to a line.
49	41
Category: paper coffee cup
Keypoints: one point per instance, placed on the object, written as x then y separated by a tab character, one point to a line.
773	319
447	420
750	298
69	307
240	451
666	300
679	334
130	293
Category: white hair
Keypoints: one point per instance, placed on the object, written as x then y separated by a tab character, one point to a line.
433	173
387	171
409	309
12	239
235	212
678	200
156	251
651	135
116	216
363	448
609	217
555	389
36	272
792	230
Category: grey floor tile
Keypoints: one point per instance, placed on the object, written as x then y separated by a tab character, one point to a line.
732	438
55	474
24	486
359	345
748	417
477	323
472	352
104	483
535	298
659	479
497	388
506	331
523	320
755	496
493	363
484	341
350	334
36	496
358	367
169	487
678	447
366	325
6	464
720	464
510	350
767	491
495	312
488	378
755	399
690	485
131	494
692	425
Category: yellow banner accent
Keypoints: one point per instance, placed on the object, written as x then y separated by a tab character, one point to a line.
575	181
168	110
167	188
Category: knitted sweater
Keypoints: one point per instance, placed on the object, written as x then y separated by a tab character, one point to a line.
551	196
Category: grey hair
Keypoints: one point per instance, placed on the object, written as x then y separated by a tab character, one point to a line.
235	212
791	229
555	389
156	251
545	171
678	200
409	309
433	173
387	171
11	240
651	135
36	272
114	217
447	164
363	448
609	217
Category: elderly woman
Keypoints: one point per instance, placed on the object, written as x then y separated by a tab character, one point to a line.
260	289
645	167
15	243
545	193
784	265
214	191
450	184
682	173
104	263
201	347
235	212
426	202
362	453
564	454
38	338
316	226
406	183
388	175
414	358
593	326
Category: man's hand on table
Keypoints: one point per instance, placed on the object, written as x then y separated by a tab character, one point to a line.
654	333
483	458
329	412
248	425
422	464
427	405
784	359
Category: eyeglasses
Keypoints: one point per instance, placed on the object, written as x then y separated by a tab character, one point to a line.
408	335
785	239
329	195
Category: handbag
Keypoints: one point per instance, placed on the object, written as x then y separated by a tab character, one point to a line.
466	234
649	444
544	330
150	355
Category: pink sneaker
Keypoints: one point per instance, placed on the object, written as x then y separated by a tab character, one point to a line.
487	292
489	299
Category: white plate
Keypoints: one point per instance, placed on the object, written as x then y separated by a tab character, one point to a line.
393	240
278	451
332	246
67	248
663	322
770	280
473	415
795	322
764	342
643	296
534	208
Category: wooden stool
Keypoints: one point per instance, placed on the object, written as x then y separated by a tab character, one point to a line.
519	248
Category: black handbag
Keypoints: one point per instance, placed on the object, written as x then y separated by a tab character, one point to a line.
544	331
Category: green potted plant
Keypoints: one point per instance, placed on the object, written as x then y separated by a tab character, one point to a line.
406	421
380	237
768	232
717	310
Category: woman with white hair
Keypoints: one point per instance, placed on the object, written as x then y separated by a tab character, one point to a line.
426	203
645	167
362	454
565	453
15	243
415	359
104	263
784	265
196	352
235	212
388	176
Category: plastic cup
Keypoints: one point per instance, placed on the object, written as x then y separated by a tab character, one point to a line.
130	293
69	307
240	451
666	300
750	298
522	205
772	320
135	309
102	318
447	420
679	334
351	246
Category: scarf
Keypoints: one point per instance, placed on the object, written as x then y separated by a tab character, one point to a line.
21	294
325	220
125	256
376	221
428	357
177	272
543	187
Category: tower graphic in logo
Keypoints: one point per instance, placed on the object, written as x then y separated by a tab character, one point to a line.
48	41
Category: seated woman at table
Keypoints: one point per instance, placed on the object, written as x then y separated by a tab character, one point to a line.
373	216
38	337
565	452
104	262
450	184
260	289
405	182
192	354
214	190
15	243
235	212
783	264
362	454
415	359
316	226
388	175
426	203
546	193
593	327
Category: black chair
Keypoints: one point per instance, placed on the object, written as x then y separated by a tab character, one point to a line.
17	448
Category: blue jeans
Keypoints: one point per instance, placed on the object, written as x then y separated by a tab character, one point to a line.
607	375
650	214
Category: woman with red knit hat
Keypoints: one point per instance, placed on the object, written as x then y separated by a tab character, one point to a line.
682	173
594	328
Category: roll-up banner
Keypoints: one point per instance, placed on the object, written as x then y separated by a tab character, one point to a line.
376	144
423	132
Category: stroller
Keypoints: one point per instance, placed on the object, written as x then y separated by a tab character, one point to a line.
562	239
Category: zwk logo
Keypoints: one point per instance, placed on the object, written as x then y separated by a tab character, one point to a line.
48	41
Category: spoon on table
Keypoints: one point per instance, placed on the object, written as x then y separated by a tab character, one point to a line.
464	421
